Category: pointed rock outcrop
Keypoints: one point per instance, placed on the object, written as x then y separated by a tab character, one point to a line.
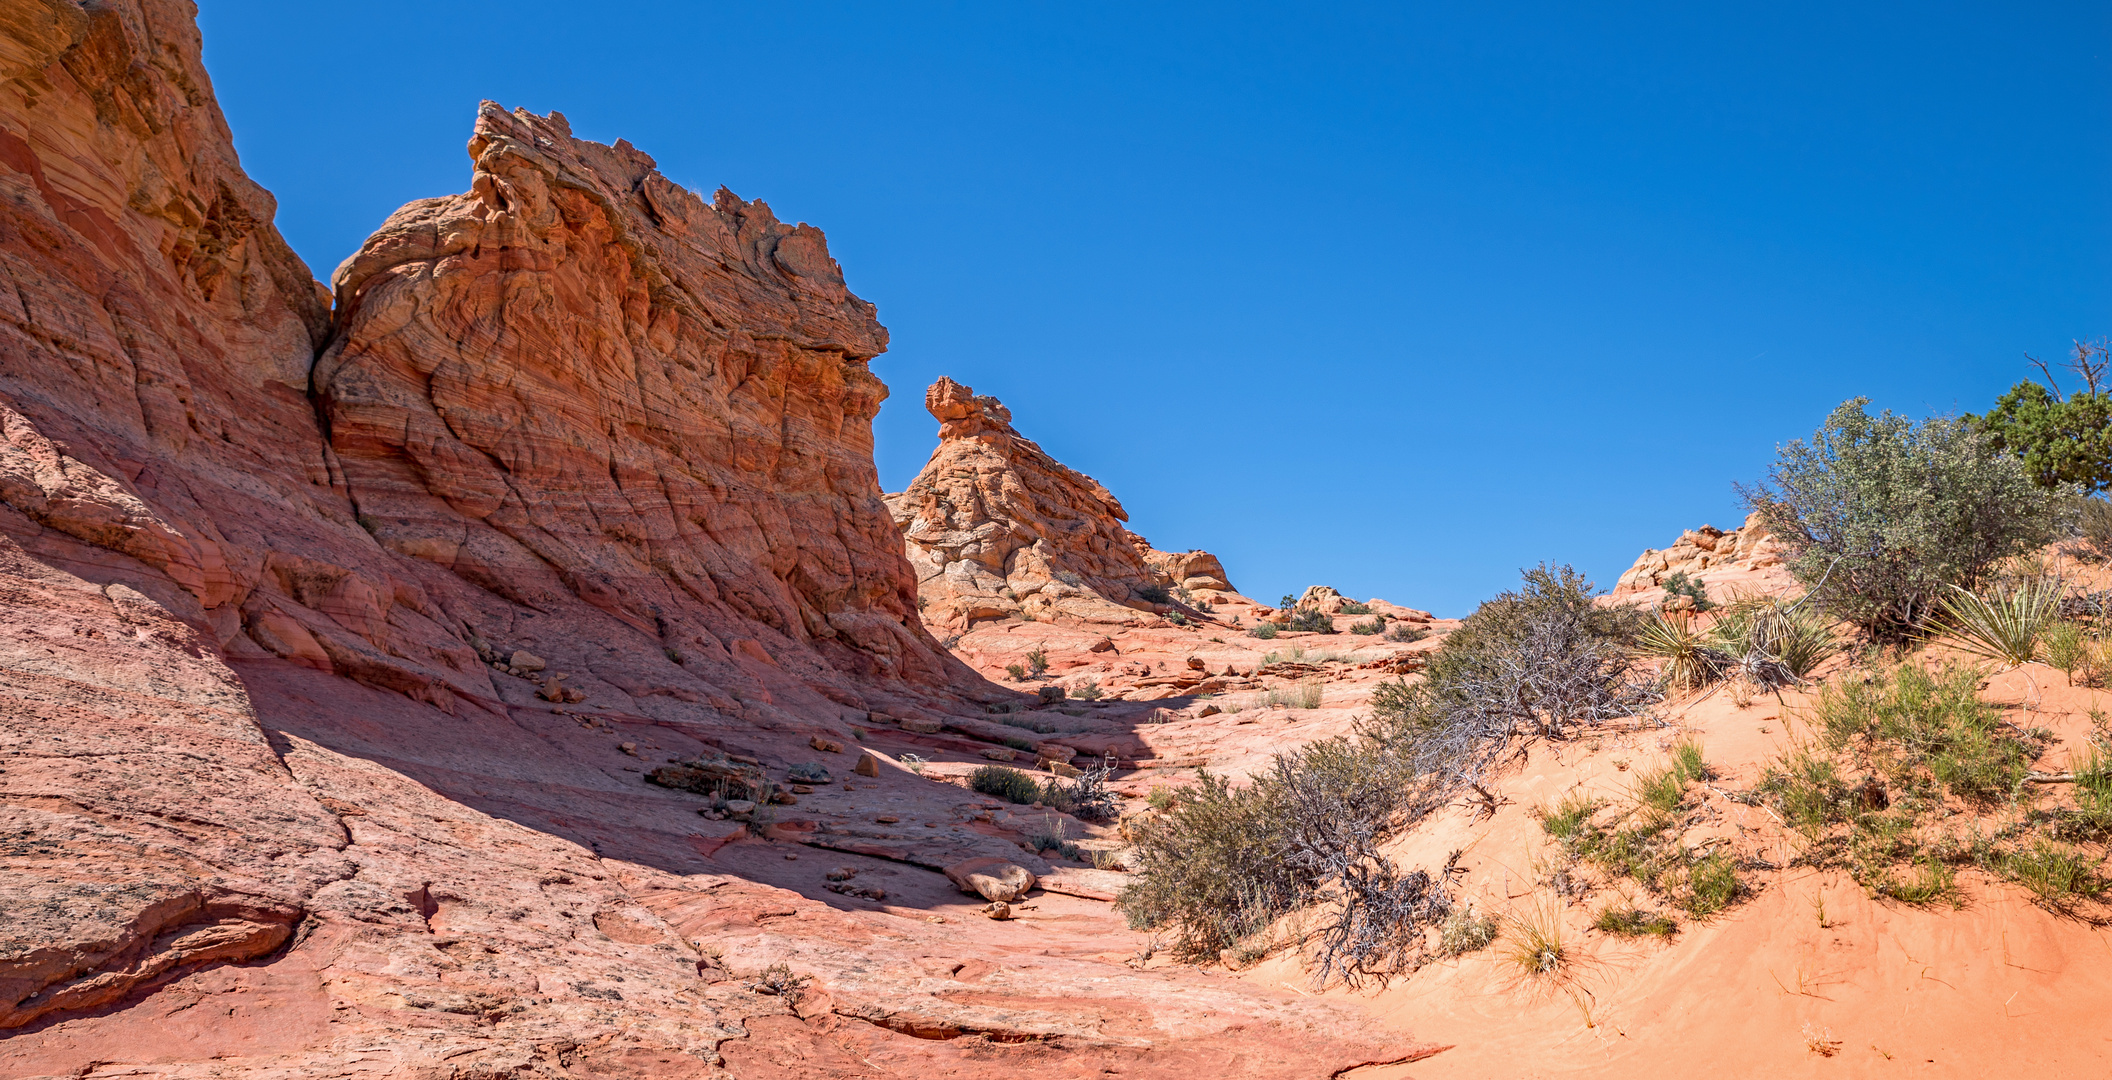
996	528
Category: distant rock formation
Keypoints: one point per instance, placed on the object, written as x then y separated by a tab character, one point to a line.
1741	552
996	529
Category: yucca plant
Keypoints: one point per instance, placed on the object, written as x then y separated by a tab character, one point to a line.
1771	642
2004	623
1690	662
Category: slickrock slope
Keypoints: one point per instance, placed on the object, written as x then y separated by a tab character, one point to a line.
284	793
1743	558
996	529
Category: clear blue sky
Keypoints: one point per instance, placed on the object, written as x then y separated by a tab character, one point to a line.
1396	298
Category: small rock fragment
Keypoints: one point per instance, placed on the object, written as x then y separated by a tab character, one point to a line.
807	773
1001	753
1209	710
630	748
997	909
524	661
921	727
842	873
826	746
739	806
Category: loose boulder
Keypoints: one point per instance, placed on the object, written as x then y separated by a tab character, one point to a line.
991	878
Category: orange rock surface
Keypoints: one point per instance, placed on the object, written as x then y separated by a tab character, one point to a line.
338	646
996	528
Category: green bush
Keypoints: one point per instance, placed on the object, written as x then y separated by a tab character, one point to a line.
1152	594
1679	584
1010	785
1881	514
1351	607
2063	440
1757	632
1089	690
1312	620
1265	631
1037	661
1367	629
1016	672
1404	633
1631	922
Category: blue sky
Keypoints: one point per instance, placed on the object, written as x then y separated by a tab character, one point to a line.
1395	298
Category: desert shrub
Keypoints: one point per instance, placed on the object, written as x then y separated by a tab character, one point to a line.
2065	646
1465	931
1311	620
1768	638
1351	607
1924	731
2092	816
1087	798
2062	440
2094	523
1711	884
1017	672
1024	745
1160	798
1068	578
1221	862
1089	690
1049	836
778	979
1629	922
1152	594
1404	633
2003	622
1010	785
1688	658
1678	584
1568	816
1537	661
1367	629
1037	661
1880	514
1265	631
1029	723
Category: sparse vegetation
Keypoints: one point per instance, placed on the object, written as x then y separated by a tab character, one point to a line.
2003	623
1265	631
1016	672
1087	798
778	979
2065	647
1678	585
1010	785
1881	514
1688	659
1631	922
1037	661
1404	633
1153	594
1534	944
1089	690
1311	620
1772	642
1465	930
1352	607
1368	628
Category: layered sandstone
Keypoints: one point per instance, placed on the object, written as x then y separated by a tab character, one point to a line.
281	794
998	529
1731	556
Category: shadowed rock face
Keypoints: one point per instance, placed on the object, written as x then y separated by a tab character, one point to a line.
996	528
270	745
580	382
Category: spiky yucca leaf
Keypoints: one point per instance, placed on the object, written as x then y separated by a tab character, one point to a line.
1758	631
2004	623
1689	661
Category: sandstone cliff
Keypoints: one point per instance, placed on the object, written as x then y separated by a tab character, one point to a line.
997	529
284	792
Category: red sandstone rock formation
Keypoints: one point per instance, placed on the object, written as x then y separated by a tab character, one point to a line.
1742	557
278	798
996	528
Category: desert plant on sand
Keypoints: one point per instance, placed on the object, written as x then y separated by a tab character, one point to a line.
1688	658
1771	642
2003	623
1630	921
1465	930
2065	646
1089	690
1881	514
1086	798
1016	672
1533	942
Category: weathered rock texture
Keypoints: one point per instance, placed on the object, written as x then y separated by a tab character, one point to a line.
996	529
1741	552
277	798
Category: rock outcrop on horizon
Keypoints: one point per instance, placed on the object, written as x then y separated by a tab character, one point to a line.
998	529
332	686
1735	554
